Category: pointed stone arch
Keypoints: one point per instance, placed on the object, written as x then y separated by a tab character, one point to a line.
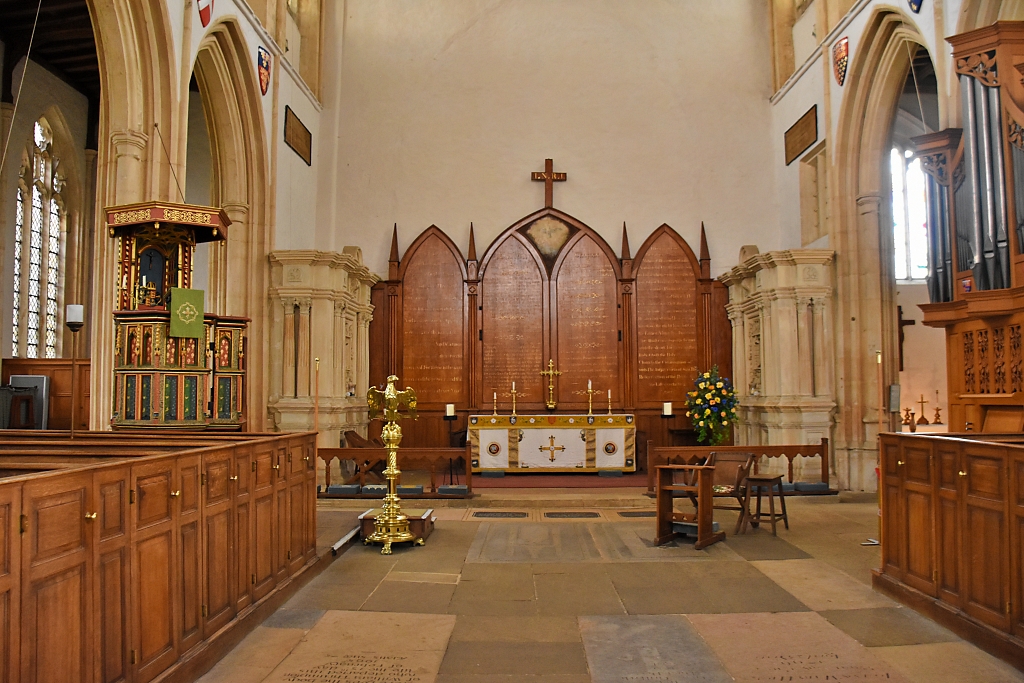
238	267
865	279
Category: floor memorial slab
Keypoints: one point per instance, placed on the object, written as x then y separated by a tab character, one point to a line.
758	648
821	586
356	647
663	648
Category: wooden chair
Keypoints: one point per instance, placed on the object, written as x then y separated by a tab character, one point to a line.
731	472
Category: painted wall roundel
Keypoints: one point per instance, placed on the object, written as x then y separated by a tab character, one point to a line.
205	11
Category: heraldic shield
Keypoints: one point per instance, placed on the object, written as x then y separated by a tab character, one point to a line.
840	59
263	68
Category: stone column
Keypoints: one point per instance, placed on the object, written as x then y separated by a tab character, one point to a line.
302	344
289	364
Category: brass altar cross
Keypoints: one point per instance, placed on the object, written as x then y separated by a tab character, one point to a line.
551	373
922	420
549	177
552	448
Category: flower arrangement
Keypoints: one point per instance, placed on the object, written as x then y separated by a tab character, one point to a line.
711	406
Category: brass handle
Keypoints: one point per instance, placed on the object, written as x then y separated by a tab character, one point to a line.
305	458
235	478
175	494
962	473
90	515
899	462
276	467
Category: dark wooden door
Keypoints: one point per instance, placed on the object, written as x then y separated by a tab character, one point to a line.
219	541
298	506
282	531
918	517
986	536
893	556
112	534
153	568
10	584
57	637
264	527
189	551
949	524
242	480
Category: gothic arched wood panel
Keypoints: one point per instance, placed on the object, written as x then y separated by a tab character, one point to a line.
514	299
585	320
667	318
433	275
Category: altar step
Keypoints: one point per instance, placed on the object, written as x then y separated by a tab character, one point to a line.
512	499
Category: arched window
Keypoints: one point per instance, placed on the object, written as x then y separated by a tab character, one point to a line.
909	216
37	287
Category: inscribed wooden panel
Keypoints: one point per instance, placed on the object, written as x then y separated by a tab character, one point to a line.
666	313
433	309
513	326
587	324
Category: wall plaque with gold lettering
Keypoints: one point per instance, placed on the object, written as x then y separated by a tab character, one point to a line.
297	136
801	135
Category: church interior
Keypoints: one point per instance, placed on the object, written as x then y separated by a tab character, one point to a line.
469	341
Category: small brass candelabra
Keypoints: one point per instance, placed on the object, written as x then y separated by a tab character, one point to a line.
609	402
391	526
513	393
590	399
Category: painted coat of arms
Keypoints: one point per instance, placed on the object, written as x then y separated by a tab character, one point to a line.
205	11
840	59
263	68
915	5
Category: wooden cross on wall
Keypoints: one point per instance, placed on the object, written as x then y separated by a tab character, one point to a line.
549	177
903	323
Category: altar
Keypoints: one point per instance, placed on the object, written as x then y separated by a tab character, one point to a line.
552	443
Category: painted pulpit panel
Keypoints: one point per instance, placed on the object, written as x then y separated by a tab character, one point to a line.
433	323
586	320
667	316
513	299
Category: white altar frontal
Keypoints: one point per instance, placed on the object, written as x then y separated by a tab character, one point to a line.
552	443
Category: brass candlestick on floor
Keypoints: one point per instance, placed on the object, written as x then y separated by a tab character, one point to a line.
391	526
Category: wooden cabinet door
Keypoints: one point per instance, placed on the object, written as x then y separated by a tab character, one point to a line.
948	524
10	583
282	514
264	523
219	541
189	551
1016	518
298	506
309	462
57	640
918	496
893	553
154	577
242	528
986	539
112	534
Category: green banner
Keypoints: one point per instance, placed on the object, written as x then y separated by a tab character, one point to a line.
186	306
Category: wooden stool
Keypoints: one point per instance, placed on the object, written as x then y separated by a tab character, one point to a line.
764	480
23	411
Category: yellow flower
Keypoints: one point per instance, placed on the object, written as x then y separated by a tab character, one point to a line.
707	411
725	422
687	413
708	396
719	385
701	423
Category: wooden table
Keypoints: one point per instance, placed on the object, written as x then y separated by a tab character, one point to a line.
769	481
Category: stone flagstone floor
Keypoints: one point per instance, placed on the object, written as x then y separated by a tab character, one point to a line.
560	600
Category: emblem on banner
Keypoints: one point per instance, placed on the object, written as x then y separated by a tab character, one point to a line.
205	11
915	5
840	59
263	68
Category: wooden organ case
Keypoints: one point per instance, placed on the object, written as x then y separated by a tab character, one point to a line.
975	189
191	377
461	328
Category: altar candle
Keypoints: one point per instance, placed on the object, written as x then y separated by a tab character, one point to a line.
609	394
449	409
588	385
143	280
666	408
495	395
513	386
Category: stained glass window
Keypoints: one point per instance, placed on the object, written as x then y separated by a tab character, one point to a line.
36	289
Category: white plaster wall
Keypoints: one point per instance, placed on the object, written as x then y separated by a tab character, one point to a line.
924	355
438	112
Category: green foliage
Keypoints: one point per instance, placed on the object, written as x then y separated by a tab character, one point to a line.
711	406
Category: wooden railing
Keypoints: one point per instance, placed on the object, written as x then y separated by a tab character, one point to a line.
438	461
681	455
138	563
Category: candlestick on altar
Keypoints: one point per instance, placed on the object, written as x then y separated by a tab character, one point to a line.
609	401
590	398
495	402
513	392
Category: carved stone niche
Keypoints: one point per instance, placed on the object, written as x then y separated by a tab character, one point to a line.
320	308
781	306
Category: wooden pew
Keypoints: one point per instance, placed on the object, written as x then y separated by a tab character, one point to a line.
668	455
435	460
695	480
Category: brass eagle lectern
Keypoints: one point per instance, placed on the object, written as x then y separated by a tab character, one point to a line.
391	526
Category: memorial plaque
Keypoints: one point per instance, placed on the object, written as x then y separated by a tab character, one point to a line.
297	136
666	315
587	324
801	135
355	668
513	325
433	324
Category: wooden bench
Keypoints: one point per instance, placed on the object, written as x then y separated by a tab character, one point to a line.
435	460
673	455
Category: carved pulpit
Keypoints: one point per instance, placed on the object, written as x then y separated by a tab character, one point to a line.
175	366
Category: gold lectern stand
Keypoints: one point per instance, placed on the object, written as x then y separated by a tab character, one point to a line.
391	526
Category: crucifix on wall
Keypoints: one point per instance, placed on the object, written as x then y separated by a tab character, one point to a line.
903	323
549	177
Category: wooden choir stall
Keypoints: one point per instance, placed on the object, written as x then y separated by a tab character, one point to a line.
550	306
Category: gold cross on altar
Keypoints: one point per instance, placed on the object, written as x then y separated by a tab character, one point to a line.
550	373
552	448
549	177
